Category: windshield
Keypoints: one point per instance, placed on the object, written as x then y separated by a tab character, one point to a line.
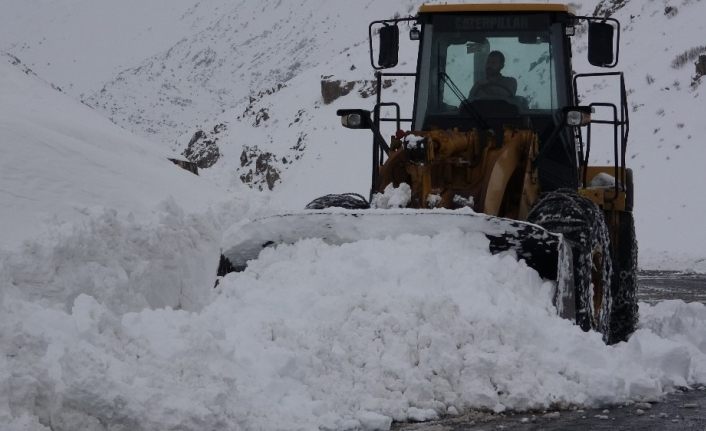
515	60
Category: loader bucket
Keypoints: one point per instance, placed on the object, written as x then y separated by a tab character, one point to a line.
545	252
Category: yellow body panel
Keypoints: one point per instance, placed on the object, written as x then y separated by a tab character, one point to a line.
512	157
500	179
605	197
495	7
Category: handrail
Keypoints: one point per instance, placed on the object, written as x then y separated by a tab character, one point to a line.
621	129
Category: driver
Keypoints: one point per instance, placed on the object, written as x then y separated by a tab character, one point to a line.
495	84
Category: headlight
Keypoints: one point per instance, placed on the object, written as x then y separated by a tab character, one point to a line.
355	118
352	121
578	116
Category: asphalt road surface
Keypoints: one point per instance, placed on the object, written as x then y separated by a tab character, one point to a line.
682	411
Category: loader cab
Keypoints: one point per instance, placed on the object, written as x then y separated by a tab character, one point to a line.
455	44
454	50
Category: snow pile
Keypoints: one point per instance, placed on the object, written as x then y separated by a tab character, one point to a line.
125	264
314	336
412	142
392	197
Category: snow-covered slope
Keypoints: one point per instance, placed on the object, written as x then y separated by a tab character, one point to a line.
666	142
667	134
247	48
80	44
61	159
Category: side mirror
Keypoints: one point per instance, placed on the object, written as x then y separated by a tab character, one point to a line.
600	44
355	118
389	46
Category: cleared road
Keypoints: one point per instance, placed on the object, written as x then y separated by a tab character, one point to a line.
682	411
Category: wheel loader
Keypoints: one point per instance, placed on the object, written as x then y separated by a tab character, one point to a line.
498	142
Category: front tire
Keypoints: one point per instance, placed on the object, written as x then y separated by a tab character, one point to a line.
583	226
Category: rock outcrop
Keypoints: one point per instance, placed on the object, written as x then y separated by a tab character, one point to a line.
332	89
203	147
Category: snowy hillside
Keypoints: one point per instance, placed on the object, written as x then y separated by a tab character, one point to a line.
61	158
81	44
248	48
666	141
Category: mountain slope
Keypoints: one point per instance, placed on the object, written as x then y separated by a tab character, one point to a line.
246	49
61	158
666	143
80	44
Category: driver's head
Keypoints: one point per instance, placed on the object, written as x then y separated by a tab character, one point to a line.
494	64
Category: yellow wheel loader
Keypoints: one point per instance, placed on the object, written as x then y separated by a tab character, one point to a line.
498	133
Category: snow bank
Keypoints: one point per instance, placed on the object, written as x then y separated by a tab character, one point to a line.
62	162
314	336
123	263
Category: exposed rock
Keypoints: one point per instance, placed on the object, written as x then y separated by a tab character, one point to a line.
17	62
261	114
701	66
300	146
261	171
184	164
690	54
297	117
203	148
700	72
607	8
369	88
27	71
332	89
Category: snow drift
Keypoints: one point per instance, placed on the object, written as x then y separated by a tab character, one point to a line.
314	336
